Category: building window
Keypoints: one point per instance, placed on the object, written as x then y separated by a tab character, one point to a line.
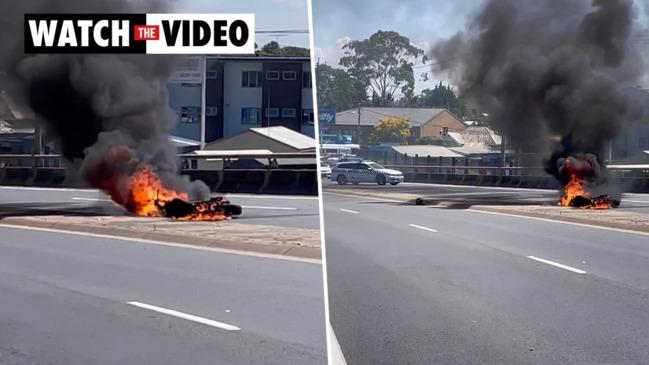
288	113
289	75
194	164
643	142
272	75
251	79
307	116
445	131
211	111
251	116
306	80
272	112
211	74
190	114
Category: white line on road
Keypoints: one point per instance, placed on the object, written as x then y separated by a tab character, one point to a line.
421	227
556	264
363	197
189	317
92	199
47	189
550	220
349	211
335	352
283	197
167	244
268	208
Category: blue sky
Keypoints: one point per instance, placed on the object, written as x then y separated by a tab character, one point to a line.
423	21
269	15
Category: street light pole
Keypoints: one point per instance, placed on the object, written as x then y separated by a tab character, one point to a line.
358	130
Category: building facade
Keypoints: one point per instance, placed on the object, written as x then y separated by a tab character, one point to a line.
424	122
241	93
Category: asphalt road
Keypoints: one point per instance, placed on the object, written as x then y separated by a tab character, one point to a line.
64	299
276	210
421	285
465	196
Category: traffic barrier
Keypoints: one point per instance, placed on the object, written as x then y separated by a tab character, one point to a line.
275	178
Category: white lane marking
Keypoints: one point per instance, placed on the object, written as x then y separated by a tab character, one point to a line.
622	230
47	189
189	317
474	187
92	199
349	211
361	197
634	201
123	239
556	264
268	208
335	352
421	227
283	197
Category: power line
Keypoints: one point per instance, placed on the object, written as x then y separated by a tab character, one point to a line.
283	31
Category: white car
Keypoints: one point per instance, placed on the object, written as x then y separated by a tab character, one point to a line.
365	171
325	170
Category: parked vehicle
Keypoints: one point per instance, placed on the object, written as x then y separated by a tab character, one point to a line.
364	171
325	170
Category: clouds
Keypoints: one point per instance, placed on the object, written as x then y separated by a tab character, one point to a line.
331	54
269	15
336	22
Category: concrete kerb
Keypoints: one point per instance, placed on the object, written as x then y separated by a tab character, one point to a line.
635	222
292	250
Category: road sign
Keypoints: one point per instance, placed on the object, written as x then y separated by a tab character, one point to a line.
327	116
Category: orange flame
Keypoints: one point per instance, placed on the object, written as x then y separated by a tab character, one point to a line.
205	211
147	194
575	188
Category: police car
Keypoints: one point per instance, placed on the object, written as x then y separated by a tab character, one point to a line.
325	170
364	171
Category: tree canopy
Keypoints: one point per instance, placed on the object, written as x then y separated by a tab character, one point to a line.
392	129
384	64
441	96
337	89
273	48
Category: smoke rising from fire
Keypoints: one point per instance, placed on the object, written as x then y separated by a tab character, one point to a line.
548	69
109	113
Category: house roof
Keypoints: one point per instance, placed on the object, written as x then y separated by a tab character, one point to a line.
184	142
287	136
426	150
370	115
10	110
258	58
637	160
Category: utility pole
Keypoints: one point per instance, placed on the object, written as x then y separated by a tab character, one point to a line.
203	99
358	131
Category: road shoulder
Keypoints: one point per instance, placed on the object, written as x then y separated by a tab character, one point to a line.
608	218
228	235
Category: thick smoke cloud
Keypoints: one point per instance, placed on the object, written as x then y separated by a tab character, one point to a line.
109	112
548	69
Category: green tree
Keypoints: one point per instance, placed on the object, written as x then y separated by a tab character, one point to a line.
337	89
441	96
392	129
428	140
273	48
384	63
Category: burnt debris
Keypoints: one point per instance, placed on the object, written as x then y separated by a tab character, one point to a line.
219	206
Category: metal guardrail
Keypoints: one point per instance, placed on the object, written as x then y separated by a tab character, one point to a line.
494	170
277	176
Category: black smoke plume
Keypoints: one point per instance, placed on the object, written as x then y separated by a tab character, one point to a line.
548	70
108	113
